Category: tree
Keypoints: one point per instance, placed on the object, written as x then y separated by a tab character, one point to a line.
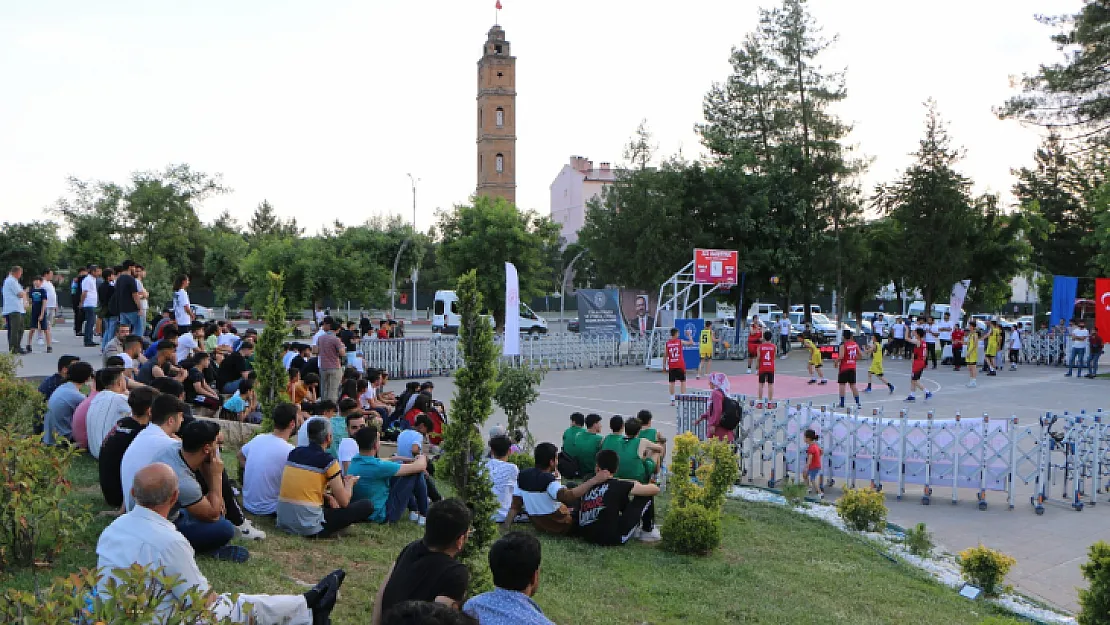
640	150
475	385
35	246
224	253
487	233
265	223
272	377
933	209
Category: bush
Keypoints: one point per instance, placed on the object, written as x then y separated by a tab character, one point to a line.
21	405
134	600
919	541
1095	600
7	365
795	493
862	509
522	460
692	528
985	568
37	519
516	390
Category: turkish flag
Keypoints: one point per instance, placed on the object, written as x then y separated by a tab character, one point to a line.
1102	307
498	5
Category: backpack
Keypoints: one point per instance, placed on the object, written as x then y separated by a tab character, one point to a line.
730	413
568	466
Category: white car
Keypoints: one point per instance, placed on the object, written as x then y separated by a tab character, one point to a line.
203	313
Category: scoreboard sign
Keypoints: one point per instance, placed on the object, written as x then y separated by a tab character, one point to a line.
716	266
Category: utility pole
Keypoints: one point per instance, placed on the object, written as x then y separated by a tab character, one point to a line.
415	271
563	285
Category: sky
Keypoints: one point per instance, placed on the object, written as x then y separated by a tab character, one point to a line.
323	108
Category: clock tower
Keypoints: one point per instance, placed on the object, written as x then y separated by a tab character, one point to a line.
497	118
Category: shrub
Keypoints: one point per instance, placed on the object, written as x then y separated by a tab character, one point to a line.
1095	600
919	541
272	377
985	567
692	528
795	493
21	405
134	600
7	365
37	520
522	460
516	390
862	509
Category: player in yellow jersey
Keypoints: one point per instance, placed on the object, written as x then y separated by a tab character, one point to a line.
706	340
972	353
814	360
876	369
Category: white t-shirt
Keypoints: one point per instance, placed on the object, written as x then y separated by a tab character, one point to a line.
128	363
784	326
348	449
1015	339
88	286
405	441
228	339
51	294
1079	338
878	328
266	455
181	308
365	398
144	303
302	432
185	346
147	445
105	410
945	330
286	360
503	475
316	337
898	330
931	332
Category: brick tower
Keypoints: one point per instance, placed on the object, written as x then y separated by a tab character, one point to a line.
497	118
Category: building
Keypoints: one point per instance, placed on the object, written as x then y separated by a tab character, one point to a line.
497	118
577	183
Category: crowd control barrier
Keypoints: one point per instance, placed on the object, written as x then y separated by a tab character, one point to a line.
1061	459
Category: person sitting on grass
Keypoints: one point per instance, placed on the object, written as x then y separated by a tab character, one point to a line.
616	429
651	434
305	506
58	420
426	613
262	461
503	474
540	493
587	444
320	411
426	569
640	458
144	536
606	515
577	426
119	439
389	485
514	561
354	421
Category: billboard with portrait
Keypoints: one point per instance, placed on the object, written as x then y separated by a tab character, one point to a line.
599	312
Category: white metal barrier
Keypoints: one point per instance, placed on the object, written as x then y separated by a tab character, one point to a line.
981	454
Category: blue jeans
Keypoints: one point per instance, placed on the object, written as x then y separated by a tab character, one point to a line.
140	324
1076	358
231	387
110	325
130	319
205	536
1092	362
90	324
410	490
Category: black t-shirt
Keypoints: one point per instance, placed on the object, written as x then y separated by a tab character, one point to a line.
348	338
232	368
599	512
211	373
298	362
111	456
421	574
146	372
192	378
104	294
312	366
126	287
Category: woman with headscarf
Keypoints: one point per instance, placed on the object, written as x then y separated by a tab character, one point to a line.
719	383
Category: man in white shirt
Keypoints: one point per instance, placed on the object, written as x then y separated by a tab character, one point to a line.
945	329
107	408
1079	337
932	333
144	302
503	474
51	303
145	536
263	460
319	333
166	416
89	303
348	448
14	307
784	335
189	341
228	337
290	353
898	333
182	309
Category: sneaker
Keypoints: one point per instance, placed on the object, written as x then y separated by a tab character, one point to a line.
822	382
49	349
911	398
672	402
650	537
1068	374
749	369
231	553
1013	367
697	377
971	384
867	390
928	395
891	388
414	516
324	595
247	531
27	350
994	373
813	381
421	521
783	357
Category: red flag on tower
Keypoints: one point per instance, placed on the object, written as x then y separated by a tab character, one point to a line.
498	5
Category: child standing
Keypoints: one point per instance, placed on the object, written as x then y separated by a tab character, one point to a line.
876	368
813	465
815	360
972	358
1015	346
957	347
767	366
918	343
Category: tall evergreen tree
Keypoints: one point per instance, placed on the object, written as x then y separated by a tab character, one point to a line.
266	223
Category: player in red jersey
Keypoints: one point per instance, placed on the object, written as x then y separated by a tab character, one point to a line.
755	337
766	352
675	361
849	354
919	347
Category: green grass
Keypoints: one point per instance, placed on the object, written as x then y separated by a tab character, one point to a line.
774	567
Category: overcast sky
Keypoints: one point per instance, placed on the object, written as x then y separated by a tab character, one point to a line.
323	107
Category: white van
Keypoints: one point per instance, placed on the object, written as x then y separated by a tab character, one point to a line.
445	316
814	309
917	309
765	312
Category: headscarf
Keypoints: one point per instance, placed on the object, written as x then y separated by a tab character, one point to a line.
719	380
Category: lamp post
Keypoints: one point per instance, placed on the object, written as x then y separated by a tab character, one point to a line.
415	271
563	285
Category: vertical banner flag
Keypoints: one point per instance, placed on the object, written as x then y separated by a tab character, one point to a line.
1102	307
689	330
1063	299
599	312
956	302
511	343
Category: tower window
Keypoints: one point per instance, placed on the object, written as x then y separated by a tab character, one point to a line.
479	117
500	75
497	48
479	163
500	163
500	117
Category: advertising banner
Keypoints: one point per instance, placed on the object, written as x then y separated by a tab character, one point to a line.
956	302
716	266
599	312
689	330
512	311
1102	307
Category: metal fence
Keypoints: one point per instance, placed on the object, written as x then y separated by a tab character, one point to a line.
1065	458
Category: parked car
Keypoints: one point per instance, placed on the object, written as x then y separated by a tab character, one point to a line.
813	308
202	313
572	325
445	316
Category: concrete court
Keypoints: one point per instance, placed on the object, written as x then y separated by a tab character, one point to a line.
1048	549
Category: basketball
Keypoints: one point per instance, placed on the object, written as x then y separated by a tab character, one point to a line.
774	279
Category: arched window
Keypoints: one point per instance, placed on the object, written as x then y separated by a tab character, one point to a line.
500	163
500	117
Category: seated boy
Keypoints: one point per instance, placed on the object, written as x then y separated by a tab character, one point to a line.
606	515
390	485
640	458
540	493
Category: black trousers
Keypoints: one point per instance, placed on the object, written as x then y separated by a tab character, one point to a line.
931	353
639	513
944	343
336	519
234	510
78	320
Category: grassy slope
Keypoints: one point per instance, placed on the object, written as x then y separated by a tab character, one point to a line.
774	567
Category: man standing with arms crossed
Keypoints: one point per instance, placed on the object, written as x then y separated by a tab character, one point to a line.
332	356
945	329
784	335
15	306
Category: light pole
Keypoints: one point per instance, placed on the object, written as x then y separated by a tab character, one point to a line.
563	285
415	270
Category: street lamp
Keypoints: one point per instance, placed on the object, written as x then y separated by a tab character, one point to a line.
563	284
415	271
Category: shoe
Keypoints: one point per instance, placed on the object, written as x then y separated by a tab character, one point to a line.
697	377
27	350
1013	368
422	521
231	553
672	402
891	388
867	390
749	369
324	595
972	384
813	381
783	357
1068	374
928	395
93	344
822	382
42	341
992	373
247	531
650	537
911	398
49	350
413	516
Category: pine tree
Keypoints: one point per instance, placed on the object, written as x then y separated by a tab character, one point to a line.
272	378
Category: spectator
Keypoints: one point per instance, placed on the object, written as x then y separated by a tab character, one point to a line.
58	420
347	336
75	300
51	384
145	536
297	390
426	570
14	307
389	485
106	313
371	395
586	445
165	420
301	359
161	365
540	493
235	369
309	472
577	425
109	406
119	440
159	329
81	414
144	300
639	457
190	341
89	304
503	474
720	386
426	613
262	461
1096	345
132	354
290	353
410	442
514	561
197	390
228	338
128	297
606	516
616	428
243	406
37	320
182	309
1079	339
332	355
321	411
354	421
114	347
